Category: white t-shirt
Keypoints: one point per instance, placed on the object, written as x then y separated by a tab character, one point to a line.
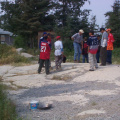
58	47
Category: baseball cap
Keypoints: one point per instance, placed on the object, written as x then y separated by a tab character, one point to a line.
58	37
81	31
108	29
44	33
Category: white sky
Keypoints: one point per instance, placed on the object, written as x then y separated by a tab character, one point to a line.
99	8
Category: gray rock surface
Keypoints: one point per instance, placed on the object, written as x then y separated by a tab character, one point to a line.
75	92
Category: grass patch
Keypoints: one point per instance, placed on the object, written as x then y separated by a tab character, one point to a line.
7	107
116	56
58	77
8	55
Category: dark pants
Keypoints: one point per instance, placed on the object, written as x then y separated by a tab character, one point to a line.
103	55
85	57
98	57
109	56
46	66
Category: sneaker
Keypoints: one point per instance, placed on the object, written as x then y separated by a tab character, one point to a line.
91	70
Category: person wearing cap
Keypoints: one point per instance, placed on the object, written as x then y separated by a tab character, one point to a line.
92	50
44	55
77	38
103	50
109	46
58	52
41	39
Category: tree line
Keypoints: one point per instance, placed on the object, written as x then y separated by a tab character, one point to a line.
65	17
113	21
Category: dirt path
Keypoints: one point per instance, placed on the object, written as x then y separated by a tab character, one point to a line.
76	93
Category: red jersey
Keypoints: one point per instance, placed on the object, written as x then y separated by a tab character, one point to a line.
45	51
49	41
110	42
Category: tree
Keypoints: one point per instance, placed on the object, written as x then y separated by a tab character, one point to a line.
27	17
113	21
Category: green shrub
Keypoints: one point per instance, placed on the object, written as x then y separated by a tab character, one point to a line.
7	107
116	56
9	55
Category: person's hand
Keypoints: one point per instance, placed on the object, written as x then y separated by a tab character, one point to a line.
72	38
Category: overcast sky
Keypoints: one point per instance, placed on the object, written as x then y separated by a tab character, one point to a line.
99	8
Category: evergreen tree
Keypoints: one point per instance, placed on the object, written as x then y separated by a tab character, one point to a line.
27	17
113	22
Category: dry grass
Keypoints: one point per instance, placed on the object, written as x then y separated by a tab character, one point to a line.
9	55
63	77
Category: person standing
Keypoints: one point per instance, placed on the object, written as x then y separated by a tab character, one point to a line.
77	38
44	55
92	50
84	50
103	50
98	52
109	46
58	52
41	39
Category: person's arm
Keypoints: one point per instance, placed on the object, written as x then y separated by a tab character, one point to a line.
112	38
73	37
105	38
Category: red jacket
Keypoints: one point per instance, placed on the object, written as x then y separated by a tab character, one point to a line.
45	51
110	42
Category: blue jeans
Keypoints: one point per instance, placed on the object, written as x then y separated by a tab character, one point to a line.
77	51
98	56
85	57
109	56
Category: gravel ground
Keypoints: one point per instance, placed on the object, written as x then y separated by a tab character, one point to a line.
75	92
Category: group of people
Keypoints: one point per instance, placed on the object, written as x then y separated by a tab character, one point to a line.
45	49
92	48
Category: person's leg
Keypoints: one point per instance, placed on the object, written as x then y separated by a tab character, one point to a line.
101	54
60	60
95	61
91	61
56	62
49	62
109	56
87	58
79	51
47	66
97	57
83	58
40	65
75	51
105	56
